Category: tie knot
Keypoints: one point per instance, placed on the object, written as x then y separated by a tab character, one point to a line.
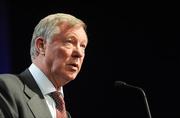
58	100
55	94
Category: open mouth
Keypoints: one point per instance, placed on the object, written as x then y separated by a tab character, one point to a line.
74	66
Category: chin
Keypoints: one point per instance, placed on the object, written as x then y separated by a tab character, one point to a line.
68	80
70	77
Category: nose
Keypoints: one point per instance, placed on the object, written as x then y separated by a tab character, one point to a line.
78	52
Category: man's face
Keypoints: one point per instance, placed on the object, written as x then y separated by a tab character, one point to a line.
64	55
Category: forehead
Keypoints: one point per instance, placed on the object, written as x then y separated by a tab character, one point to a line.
76	31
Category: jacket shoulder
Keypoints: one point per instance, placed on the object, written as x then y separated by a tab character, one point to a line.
9	81
9	77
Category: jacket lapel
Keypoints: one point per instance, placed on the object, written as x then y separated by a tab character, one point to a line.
37	105
36	102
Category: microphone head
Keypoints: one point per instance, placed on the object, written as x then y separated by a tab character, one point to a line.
119	84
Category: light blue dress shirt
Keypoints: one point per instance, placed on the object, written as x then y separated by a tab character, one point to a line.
45	86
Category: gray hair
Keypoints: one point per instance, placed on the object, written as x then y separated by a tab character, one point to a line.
48	27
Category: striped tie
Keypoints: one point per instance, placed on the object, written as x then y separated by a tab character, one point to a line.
60	105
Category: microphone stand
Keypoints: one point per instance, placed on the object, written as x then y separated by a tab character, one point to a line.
120	83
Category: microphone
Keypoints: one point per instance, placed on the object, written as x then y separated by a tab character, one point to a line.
124	84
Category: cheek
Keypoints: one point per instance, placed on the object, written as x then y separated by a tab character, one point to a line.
55	55
61	56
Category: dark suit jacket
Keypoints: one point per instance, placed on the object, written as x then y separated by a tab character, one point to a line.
20	97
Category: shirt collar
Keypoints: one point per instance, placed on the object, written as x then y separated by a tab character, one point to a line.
43	82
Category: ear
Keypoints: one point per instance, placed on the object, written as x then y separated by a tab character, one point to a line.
40	45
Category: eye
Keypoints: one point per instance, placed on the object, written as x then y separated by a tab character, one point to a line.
83	46
68	40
